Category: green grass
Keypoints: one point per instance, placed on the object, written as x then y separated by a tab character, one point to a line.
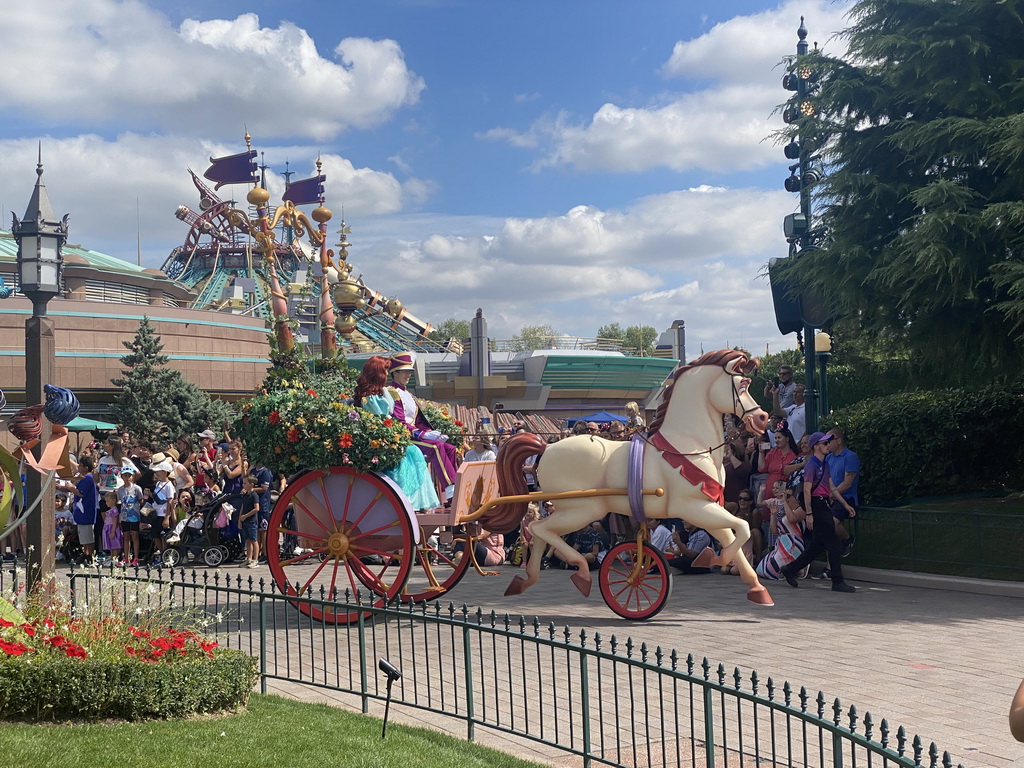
273	731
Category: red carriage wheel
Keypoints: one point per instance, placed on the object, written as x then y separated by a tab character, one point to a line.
355	532
635	587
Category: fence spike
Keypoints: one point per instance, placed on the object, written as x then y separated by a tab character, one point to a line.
643	651
868	725
918	749
837	711
614	645
933	756
583	638
883	732
597	641
901	740
947	760
674	658
706	666
736	678
566	634
657	655
629	647
551	630
853	718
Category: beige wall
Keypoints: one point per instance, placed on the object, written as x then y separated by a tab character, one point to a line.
223	354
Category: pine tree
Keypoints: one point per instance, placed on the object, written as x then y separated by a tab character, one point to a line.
919	137
157	403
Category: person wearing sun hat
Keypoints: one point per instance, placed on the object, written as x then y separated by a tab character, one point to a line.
442	457
818	490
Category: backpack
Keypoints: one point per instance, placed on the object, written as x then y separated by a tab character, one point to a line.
515	553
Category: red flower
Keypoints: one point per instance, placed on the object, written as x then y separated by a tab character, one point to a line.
274	417
345	440
459	423
293	435
311	392
29	630
388	421
6	623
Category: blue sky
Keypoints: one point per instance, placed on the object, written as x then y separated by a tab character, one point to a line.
563	162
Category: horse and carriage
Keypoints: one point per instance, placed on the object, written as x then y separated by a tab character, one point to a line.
358	533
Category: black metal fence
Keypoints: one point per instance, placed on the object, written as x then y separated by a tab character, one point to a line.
981	545
608	700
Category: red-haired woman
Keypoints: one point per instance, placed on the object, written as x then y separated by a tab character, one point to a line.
411	474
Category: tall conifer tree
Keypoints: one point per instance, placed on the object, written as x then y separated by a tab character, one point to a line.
920	134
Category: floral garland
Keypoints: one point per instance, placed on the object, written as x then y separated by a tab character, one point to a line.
439	418
295	426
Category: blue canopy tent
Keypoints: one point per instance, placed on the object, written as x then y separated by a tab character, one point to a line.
601	417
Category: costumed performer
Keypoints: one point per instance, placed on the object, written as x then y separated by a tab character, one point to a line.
442	457
411	474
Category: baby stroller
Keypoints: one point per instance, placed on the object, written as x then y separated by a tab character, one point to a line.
68	544
199	536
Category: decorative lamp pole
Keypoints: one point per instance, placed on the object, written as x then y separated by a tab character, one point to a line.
799	228
40	237
823	349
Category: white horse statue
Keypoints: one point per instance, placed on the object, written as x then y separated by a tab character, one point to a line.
683	456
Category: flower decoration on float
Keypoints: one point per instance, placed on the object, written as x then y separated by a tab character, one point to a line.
61	405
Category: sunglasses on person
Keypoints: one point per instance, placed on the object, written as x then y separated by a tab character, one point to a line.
746	498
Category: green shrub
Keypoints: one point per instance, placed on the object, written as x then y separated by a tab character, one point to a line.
935	443
60	688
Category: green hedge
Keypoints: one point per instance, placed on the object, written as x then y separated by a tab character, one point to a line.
59	688
936	443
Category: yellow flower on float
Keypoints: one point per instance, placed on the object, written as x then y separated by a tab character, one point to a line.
300	420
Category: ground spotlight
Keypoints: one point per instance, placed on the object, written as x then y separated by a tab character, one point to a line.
393	673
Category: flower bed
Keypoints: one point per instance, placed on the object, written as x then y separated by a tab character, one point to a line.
129	665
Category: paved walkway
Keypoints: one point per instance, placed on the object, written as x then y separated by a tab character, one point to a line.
944	664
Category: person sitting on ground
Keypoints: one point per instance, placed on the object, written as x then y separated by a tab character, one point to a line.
488	549
695	541
591	542
745	509
787	533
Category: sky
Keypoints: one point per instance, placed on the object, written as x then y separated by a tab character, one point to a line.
570	163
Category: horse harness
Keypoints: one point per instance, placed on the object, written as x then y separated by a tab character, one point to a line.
689	471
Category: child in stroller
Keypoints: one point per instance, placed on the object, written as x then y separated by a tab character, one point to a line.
199	535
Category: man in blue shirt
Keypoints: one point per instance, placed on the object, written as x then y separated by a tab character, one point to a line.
844	466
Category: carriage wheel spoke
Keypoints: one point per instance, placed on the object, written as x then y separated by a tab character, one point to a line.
310	514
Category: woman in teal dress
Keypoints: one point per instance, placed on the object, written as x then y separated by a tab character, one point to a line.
411	474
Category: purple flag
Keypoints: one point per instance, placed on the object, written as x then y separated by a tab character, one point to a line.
305	191
233	169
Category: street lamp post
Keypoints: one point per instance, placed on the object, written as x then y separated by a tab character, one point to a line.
40	237
823	349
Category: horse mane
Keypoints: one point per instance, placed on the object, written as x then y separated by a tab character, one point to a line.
720	357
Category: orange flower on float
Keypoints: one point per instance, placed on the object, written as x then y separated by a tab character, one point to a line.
274	417
345	441
293	435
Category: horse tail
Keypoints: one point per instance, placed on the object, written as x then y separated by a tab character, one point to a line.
511	481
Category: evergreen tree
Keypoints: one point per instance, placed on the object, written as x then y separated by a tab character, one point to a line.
920	135
157	403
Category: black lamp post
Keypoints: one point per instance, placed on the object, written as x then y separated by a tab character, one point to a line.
40	236
799	227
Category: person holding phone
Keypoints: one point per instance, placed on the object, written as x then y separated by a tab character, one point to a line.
784	384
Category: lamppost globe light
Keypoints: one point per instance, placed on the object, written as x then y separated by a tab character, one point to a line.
822	342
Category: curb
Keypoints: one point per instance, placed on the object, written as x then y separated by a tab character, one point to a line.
933	581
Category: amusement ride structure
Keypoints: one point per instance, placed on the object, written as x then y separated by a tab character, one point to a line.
224	260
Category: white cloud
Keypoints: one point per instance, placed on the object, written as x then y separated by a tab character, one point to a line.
693	254
721	127
118	63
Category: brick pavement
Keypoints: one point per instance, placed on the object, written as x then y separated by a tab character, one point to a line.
942	663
